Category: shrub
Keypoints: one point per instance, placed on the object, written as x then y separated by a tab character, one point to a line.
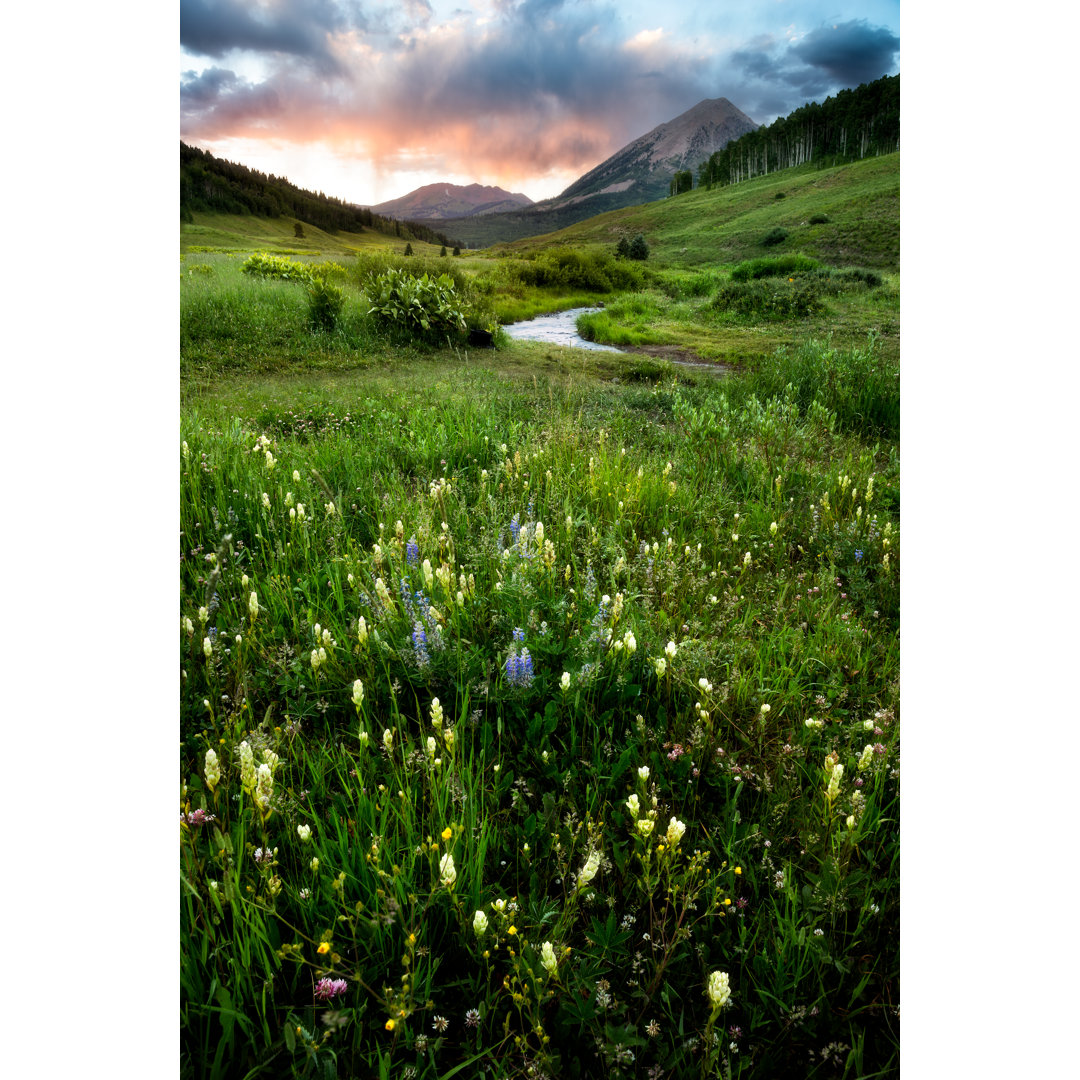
638	248
422	307
780	195
408	249
770	299
298	231
622	248
264	265
457	250
773	266
857	274
774	236
819	219
565	267
325	302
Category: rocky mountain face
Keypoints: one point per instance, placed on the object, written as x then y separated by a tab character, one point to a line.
435	202
641	171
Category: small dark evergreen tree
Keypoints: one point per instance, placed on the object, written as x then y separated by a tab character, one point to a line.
638	248
408	249
622	248
457	250
442	252
298	231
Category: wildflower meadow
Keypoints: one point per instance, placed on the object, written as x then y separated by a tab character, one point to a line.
539	727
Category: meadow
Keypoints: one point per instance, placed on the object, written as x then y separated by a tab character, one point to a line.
539	708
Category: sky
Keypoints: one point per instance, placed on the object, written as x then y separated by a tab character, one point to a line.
366	100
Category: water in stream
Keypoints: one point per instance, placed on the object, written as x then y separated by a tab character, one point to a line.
559	329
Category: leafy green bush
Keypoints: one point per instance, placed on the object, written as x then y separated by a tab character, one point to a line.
422	307
774	236
262	264
773	266
770	299
325	302
566	267
819	219
370	266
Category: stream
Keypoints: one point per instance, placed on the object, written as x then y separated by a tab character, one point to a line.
559	329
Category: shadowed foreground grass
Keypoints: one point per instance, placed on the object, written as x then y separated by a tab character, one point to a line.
538	725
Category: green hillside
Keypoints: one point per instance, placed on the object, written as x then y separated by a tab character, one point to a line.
211	232
861	201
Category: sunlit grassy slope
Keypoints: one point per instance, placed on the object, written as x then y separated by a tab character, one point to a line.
245	232
726	225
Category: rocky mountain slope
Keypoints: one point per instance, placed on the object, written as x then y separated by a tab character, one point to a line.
641	171
638	173
438	201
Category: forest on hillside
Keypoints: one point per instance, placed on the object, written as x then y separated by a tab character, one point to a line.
213	185
852	125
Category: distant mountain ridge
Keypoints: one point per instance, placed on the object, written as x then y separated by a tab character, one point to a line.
638	173
436	202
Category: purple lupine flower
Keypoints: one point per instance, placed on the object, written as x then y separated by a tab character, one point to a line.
519	667
325	988
519	634
412	551
515	527
419	638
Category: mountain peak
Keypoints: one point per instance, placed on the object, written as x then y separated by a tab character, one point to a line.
644	167
439	201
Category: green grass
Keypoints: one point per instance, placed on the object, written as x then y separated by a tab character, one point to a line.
705	576
642	490
726	225
248	232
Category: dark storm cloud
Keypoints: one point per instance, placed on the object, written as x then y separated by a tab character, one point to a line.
218	100
771	78
530	63
849	53
202	90
294	27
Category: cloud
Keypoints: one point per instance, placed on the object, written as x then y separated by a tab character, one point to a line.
298	28
541	86
221	101
502	91
645	39
849	53
778	75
